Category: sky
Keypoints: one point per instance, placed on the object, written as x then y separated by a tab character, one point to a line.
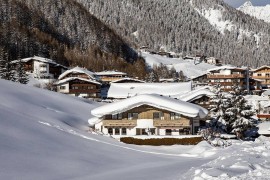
237	3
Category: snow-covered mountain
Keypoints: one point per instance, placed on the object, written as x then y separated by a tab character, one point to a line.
260	12
209	27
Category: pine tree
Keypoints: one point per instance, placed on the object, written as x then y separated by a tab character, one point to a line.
21	75
152	77
230	112
2	64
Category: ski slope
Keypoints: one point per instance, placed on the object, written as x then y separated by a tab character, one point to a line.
190	68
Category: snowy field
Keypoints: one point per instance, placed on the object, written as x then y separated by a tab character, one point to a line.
188	67
43	135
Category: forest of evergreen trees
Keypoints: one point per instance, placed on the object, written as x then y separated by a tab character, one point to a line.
66	32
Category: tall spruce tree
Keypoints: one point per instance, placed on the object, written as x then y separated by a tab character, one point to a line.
21	75
230	112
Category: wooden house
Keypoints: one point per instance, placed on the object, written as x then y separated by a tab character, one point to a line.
262	73
148	115
227	77
42	68
79	82
109	76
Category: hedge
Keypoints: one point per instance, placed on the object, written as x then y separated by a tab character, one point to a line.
162	141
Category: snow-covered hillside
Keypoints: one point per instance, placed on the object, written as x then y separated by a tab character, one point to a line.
260	12
43	136
188	67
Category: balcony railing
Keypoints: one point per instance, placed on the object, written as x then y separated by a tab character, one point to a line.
120	123
172	123
261	77
231	76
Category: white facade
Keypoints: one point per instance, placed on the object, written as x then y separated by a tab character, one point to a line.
63	88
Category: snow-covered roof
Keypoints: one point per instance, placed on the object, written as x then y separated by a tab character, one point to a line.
124	90
63	81
264	128
195	94
107	73
78	70
265	66
225	67
154	100
40	59
256	98
128	79
266	93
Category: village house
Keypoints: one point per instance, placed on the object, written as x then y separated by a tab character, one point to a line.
227	77
260	104
149	114
213	61
200	81
79	82
200	96
42	68
109	76
262	73
125	90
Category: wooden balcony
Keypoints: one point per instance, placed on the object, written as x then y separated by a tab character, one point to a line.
109	79
172	123
260	77
227	83
231	76
84	91
119	123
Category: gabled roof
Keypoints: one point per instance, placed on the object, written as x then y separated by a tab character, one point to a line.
195	94
104	73
63	81
225	67
154	100
128	79
125	90
40	59
265	66
78	70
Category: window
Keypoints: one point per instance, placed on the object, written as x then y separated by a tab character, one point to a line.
110	131
259	74
158	115
133	116
124	131
184	131
117	131
168	132
120	116
175	116
90	87
114	116
62	87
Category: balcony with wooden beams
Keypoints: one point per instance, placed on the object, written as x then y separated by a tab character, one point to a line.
231	76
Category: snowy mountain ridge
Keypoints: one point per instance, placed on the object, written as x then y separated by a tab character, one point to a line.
260	12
